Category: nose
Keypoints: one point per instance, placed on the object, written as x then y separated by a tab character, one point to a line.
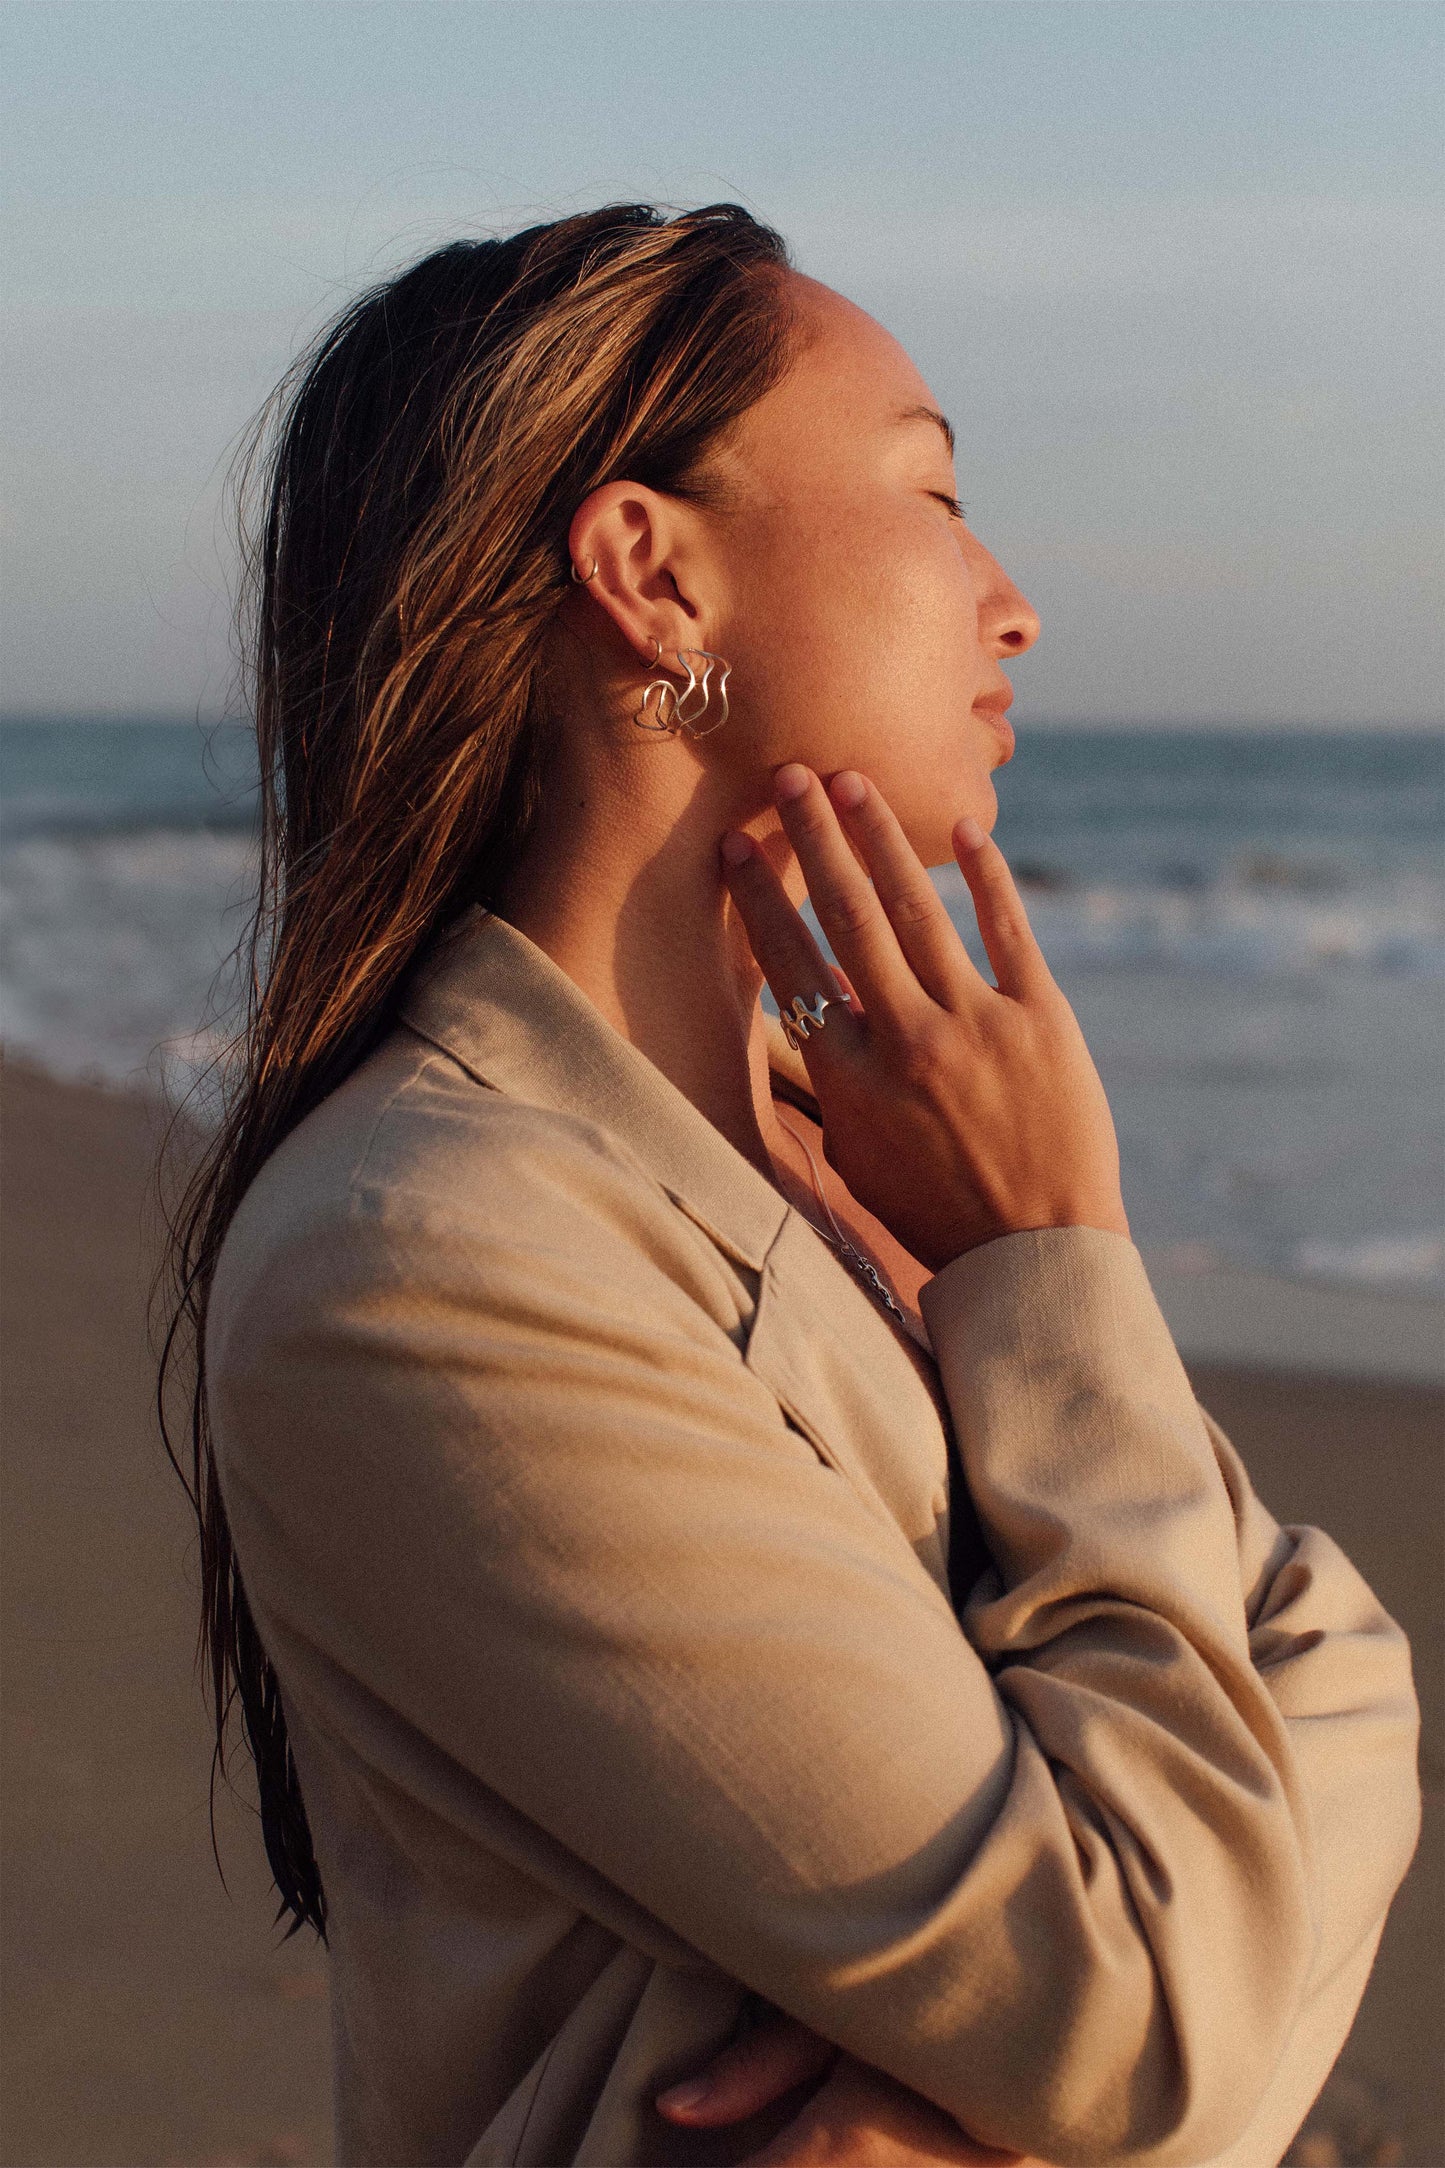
1008	623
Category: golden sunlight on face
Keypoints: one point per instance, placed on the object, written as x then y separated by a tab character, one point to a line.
867	624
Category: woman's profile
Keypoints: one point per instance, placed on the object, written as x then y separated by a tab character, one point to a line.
712	1540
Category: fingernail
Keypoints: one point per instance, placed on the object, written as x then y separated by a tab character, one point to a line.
790	781
691	2095
969	833
736	847
848	788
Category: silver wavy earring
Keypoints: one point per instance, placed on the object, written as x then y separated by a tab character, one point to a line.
693	685
678	720
660	686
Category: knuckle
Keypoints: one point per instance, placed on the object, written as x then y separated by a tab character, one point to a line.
1043	990
920	1058
846	913
914	906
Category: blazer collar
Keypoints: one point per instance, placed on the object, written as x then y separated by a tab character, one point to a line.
497	1003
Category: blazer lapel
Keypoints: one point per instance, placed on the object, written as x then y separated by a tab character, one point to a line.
867	1399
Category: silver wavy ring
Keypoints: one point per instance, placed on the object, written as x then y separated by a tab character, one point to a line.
807	1017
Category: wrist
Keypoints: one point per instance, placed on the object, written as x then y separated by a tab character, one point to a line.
1108	1217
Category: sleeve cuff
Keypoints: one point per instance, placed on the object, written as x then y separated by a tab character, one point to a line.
1050	1295
1077	1425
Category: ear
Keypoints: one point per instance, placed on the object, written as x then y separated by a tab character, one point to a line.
649	551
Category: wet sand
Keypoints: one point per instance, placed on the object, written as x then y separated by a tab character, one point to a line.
151	2018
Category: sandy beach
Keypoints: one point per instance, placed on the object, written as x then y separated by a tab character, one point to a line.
152	2018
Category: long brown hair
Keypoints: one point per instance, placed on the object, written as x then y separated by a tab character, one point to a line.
404	497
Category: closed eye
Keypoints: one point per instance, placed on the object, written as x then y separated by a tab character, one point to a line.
952	502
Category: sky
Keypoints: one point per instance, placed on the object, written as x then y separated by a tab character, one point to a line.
1173	267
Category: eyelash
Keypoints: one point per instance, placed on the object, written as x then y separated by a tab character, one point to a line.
953	504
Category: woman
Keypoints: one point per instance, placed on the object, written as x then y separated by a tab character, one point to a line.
726	1556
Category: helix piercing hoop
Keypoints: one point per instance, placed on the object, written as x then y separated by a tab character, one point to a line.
579	578
679	719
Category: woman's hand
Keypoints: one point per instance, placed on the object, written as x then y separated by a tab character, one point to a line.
953	1110
858	2117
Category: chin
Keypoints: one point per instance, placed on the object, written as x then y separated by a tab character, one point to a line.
935	844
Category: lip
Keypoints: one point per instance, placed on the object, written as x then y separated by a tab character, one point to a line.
994	710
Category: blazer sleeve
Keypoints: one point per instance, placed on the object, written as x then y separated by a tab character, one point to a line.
491	1454
1339	1670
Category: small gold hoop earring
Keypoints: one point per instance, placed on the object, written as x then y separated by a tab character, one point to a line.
578	577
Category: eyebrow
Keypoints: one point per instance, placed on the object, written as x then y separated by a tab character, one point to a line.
929	414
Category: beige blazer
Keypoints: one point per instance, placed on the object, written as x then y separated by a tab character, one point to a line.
596	1520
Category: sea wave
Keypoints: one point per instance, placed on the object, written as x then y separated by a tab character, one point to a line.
1235	925
1414	1261
61	819
1217	1010
113	941
114	948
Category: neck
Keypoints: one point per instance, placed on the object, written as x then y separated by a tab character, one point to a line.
620	885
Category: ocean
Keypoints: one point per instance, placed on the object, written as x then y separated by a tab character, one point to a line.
1250	926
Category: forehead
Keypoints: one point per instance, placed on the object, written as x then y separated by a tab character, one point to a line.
848	389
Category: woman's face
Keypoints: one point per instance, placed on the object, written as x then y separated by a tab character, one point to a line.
864	623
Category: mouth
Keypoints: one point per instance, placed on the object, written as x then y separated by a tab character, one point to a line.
994	709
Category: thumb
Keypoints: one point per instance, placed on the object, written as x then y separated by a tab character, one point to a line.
749	2074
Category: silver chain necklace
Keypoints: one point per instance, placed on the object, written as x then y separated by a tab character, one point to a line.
865	1268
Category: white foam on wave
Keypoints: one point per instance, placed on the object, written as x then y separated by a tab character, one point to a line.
113	951
1232	927
1385	1261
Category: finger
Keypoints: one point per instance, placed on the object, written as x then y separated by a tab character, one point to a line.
915	910
750	2074
849	909
860	2115
846	986
791	960
1018	962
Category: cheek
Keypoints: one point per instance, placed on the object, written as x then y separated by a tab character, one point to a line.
860	623
908	668
860	646
917	604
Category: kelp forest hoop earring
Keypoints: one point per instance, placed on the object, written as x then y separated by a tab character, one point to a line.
678	718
